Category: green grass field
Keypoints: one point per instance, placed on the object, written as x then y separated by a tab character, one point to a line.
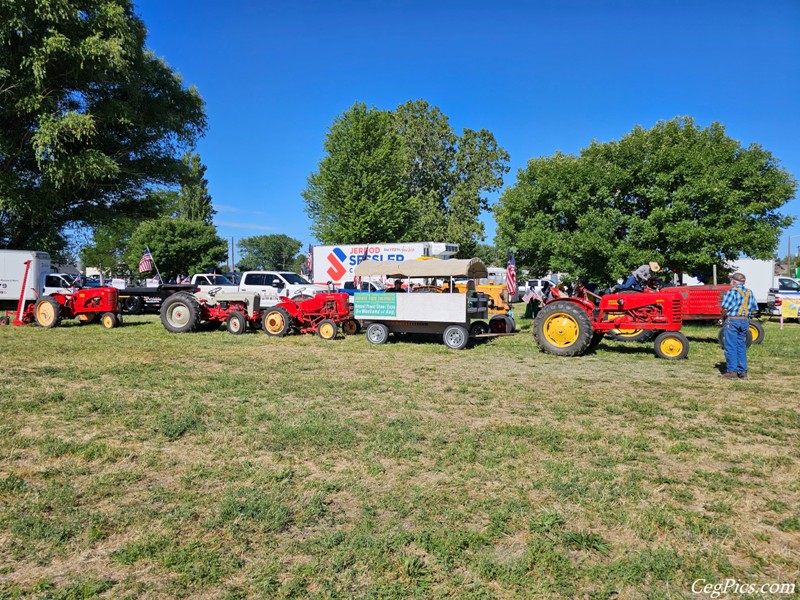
138	463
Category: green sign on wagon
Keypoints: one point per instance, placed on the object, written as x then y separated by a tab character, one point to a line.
375	305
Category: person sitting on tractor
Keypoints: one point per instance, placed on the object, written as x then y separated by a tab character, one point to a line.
398	283
639	278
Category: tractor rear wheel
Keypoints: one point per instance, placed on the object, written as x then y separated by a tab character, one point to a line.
563	328
327	329
180	313
276	322
631	335
236	323
756	331
596	339
351	327
377	333
109	320
671	345
47	312
456	337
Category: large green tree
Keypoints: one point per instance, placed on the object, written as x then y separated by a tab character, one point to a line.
403	175
685	196
194	201
89	118
269	252
177	246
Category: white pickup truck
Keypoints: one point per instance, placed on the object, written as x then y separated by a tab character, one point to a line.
208	281
787	289
272	285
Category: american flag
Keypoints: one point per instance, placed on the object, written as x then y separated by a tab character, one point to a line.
511	276
146	264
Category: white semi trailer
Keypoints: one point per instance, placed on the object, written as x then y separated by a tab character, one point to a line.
336	264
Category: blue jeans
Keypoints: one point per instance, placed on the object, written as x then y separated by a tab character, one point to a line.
735	332
630	284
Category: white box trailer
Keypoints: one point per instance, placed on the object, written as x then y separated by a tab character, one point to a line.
12	272
336	264
760	276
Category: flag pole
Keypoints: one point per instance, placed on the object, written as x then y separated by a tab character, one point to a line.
160	278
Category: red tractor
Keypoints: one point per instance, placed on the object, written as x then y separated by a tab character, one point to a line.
322	314
85	304
572	326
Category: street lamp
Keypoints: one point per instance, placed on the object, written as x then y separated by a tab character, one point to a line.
789	254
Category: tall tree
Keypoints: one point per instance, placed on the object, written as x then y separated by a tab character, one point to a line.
403	176
685	196
177	246
357	194
269	252
89	118
194	201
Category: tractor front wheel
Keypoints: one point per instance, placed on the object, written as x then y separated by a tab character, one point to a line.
563	328
180	313
276	322
236	323
109	320
351	327
377	333
327	329
47	312
671	345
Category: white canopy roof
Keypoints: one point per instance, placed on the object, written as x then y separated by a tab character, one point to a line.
470	267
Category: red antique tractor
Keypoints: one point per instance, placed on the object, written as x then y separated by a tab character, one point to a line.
570	326
85	304
321	314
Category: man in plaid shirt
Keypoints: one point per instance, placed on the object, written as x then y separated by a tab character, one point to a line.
738	305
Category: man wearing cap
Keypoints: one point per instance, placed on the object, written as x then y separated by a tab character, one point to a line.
639	278
737	306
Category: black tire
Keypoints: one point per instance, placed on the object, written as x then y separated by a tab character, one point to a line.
456	337
276	321
4	321
563	328
721	338
596	339
236	323
671	345
209	325
377	333
631	335
502	324
327	329
351	327
180	313
478	328
133	305
109	320
87	318
756	331
47	312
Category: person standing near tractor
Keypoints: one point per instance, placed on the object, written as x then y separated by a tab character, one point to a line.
738	305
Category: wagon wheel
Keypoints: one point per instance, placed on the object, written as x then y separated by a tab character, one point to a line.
47	312
327	329
236	323
563	328
478	328
671	345
109	320
351	327
276	322
377	333
456	337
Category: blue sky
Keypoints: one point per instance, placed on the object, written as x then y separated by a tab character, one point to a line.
541	75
